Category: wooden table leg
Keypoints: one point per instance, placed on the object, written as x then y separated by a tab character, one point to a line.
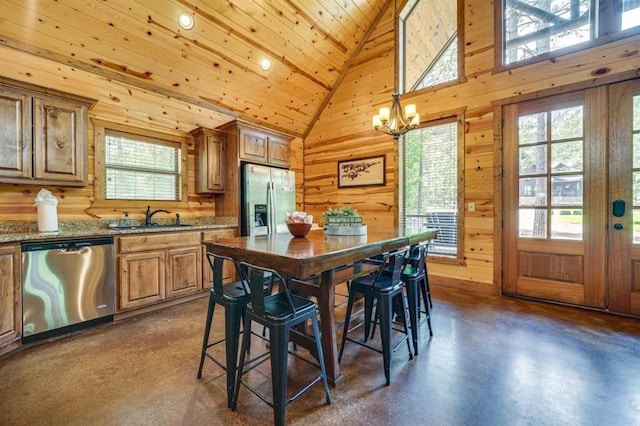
326	305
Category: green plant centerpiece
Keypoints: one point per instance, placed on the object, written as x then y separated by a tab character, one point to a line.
343	221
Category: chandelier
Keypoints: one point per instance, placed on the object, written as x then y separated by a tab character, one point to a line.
395	121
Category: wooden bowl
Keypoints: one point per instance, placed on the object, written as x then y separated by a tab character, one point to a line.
299	229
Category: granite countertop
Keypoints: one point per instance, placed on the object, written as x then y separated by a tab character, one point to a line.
16	231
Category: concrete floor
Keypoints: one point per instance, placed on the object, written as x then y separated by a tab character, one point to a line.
492	361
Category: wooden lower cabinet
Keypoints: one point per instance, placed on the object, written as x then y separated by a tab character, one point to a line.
183	268
10	298
229	271
141	279
154	268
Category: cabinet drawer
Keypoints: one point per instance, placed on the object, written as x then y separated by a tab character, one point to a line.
215	235
144	242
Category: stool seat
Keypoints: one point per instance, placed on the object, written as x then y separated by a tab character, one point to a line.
277	306
233	292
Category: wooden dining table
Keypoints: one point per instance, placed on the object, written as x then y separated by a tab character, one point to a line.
323	257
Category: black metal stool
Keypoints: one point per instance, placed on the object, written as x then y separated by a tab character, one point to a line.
234	297
414	278
279	313
384	287
425	290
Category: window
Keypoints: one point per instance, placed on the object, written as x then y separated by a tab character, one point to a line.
551	171
431	43
139	165
533	28
432	170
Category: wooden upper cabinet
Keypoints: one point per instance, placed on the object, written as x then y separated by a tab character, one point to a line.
262	146
44	136
15	134
210	160
60	141
253	146
279	151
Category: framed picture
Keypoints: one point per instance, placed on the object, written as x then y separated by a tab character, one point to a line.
361	172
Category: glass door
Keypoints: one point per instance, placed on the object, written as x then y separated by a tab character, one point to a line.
554	198
624	198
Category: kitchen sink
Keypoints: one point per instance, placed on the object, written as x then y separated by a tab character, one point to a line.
153	226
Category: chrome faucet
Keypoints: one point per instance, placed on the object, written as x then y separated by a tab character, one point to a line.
149	215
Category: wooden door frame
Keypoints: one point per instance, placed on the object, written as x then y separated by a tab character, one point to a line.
498	161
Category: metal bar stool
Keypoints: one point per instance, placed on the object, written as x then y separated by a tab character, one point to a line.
280	313
384	287
234	297
413	276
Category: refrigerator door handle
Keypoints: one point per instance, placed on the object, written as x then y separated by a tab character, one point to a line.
271	202
248	218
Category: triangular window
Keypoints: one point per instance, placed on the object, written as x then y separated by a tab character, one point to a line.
430	43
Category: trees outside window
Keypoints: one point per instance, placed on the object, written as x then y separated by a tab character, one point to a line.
431	174
533	28
140	168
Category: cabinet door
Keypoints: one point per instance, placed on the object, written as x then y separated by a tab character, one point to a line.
229	273
210	162
60	141
279	151
141	279
10	307
15	134
183	271
253	146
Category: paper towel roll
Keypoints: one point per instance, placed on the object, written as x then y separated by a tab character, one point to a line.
47	218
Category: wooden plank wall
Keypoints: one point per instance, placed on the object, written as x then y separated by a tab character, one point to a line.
344	131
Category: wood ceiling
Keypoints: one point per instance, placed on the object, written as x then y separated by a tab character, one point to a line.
216	65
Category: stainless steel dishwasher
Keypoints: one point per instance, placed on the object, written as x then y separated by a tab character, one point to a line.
66	285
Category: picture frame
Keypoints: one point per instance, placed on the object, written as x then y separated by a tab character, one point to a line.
368	171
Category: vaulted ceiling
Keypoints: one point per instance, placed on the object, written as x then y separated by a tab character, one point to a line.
215	65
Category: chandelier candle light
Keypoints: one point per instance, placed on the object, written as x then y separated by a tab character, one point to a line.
395	121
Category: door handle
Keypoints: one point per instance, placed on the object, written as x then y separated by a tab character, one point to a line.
618	226
618	208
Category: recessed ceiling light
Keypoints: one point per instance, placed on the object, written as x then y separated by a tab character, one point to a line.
265	64
185	20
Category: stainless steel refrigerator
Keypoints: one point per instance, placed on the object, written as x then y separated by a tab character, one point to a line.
268	193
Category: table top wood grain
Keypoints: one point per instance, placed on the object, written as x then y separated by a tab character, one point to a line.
317	252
